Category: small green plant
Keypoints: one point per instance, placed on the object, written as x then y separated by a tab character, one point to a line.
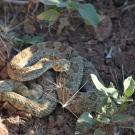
110	108
86	11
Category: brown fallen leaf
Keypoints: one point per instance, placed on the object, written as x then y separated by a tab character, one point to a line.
3	129
104	28
63	23
29	27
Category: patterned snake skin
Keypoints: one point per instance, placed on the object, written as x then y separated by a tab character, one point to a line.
40	97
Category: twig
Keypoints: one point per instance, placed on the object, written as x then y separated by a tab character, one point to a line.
128	7
17	26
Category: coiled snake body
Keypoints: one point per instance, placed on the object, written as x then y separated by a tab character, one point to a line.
40	98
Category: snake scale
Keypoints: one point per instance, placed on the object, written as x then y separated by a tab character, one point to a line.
46	73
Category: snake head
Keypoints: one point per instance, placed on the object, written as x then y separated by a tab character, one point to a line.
61	65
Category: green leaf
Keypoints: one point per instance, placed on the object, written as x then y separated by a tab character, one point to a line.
112	91
49	15
88	13
120	118
72	5
97	83
84	122
123	107
133	127
58	3
101	118
31	39
124	99
114	107
109	92
103	102
99	131
129	86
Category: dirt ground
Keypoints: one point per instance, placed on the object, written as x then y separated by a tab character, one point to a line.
111	49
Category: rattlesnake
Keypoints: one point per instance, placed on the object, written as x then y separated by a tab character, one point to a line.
72	69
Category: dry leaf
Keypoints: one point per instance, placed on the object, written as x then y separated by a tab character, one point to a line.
3	129
63	22
29	27
4	52
104	28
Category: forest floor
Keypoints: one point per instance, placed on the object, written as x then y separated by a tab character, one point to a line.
111	49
